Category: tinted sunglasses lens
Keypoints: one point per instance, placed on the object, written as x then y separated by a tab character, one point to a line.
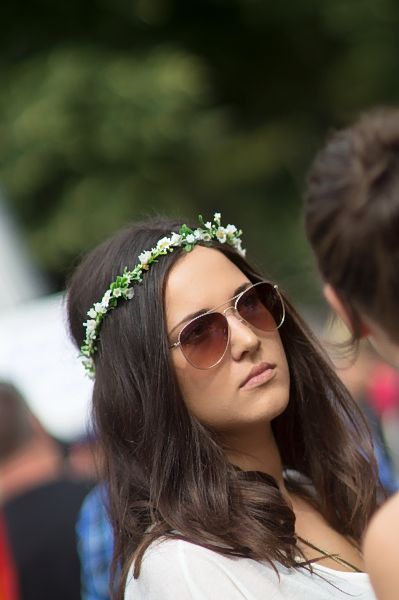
262	307
204	340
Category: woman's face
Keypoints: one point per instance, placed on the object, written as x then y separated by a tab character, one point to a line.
219	397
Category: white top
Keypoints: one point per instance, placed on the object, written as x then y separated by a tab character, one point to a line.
179	570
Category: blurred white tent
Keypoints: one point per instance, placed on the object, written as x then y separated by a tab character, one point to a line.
39	358
19	279
36	353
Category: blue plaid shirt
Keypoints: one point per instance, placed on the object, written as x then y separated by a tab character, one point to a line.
95	545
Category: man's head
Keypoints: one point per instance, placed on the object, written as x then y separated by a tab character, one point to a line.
352	222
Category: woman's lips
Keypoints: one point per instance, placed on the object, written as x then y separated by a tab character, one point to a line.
258	376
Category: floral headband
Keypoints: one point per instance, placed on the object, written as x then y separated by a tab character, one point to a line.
122	287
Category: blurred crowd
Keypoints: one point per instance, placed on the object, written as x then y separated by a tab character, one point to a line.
42	486
375	387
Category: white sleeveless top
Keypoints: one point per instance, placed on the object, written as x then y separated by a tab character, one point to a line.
179	570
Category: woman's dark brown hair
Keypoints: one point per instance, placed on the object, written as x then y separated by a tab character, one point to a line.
352	217
167	474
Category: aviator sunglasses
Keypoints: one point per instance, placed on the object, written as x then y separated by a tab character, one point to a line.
205	339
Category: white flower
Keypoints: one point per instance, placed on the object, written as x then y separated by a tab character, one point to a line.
217	217
106	299
144	259
163	243
175	239
231	229
117	293
190	238
129	293
97	309
206	237
208	225
198	233
90	325
221	235
128	275
238	247
88	364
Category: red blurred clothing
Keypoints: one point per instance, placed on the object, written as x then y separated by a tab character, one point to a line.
384	389
8	580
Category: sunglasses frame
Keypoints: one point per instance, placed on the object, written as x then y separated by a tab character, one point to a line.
241	319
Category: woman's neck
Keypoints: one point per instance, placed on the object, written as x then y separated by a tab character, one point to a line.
255	449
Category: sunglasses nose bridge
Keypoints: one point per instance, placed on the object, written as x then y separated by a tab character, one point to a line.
235	312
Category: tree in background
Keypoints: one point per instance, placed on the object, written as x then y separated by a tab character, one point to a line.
113	109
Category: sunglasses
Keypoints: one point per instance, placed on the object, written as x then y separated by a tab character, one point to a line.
205	339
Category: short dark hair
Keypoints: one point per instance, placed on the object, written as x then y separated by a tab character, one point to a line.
167	473
352	217
15	421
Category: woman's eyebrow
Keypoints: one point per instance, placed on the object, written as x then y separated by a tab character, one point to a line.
202	311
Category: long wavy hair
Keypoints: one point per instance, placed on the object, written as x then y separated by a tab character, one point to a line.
167	474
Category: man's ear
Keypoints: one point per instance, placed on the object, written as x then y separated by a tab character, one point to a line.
339	307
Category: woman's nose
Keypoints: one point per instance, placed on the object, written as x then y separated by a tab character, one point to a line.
242	337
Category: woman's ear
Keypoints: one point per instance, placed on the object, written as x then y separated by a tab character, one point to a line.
339	307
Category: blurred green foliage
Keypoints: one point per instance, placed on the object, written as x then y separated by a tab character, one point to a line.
110	110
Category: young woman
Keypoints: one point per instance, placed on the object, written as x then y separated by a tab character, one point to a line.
238	465
352	222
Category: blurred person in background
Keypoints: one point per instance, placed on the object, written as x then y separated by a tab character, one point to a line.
383	393
362	376
93	529
40	504
352	222
95	545
8	579
81	458
233	454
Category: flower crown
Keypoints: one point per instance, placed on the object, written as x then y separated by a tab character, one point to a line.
122	286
